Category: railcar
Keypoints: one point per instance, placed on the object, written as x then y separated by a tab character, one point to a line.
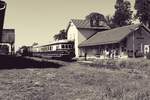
63	49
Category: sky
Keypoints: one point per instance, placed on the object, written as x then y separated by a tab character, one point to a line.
39	20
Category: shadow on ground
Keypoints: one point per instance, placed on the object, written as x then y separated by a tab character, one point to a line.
13	62
65	59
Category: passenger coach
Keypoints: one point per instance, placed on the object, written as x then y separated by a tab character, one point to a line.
59	49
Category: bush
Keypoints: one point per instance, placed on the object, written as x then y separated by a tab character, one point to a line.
119	64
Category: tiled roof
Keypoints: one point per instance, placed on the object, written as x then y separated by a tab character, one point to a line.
110	36
79	23
8	36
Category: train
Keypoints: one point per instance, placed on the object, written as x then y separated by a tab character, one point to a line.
62	49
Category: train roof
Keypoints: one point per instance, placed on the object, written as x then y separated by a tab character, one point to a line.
61	41
56	42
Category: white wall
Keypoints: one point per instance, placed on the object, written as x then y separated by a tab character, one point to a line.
83	35
78	36
73	36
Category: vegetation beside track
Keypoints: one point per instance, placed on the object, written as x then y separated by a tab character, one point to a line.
78	81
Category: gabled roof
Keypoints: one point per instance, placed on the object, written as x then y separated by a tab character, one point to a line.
146	28
110	36
8	36
85	24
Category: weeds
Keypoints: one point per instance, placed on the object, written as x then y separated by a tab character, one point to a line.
103	80
121	64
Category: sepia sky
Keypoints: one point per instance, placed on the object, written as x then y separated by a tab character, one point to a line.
39	20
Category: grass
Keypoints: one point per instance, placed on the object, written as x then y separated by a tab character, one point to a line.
78	81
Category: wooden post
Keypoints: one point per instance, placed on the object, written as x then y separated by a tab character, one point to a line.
85	54
133	45
120	50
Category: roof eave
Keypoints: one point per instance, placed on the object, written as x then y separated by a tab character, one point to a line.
110	42
104	28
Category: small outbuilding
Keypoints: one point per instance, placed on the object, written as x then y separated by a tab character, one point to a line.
8	38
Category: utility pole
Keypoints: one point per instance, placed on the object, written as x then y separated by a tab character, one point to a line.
133	44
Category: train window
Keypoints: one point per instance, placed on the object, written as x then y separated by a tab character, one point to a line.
62	46
70	46
57	47
66	46
49	47
44	49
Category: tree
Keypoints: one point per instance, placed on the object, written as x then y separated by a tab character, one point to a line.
123	13
34	44
143	11
96	19
61	35
109	21
95	16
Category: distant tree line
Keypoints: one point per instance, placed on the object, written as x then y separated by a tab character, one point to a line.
143	11
61	35
124	16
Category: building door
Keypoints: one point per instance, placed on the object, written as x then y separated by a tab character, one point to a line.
146	49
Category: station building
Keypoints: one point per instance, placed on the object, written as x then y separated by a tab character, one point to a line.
99	41
81	30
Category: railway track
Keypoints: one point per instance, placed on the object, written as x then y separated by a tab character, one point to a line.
60	62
